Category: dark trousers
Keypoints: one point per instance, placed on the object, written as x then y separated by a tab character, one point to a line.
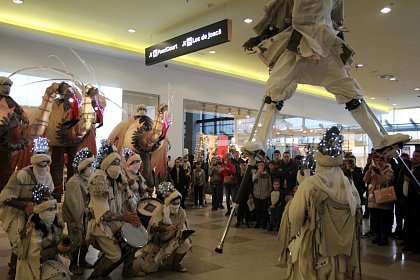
243	212
183	191
261	211
399	216
198	195
382	220
216	194
275	216
412	226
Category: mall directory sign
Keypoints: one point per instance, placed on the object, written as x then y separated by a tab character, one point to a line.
202	38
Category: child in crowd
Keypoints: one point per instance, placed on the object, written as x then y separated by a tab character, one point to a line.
274	206
198	182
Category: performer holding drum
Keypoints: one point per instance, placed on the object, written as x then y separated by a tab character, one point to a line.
107	188
169	238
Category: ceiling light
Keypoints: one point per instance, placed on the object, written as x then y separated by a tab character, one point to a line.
131	30
230	112
385	10
260	125
249	114
17	1
393	104
417	89
248	20
212	52
373	98
359	65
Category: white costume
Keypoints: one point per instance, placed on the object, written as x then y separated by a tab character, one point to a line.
164	245
37	254
20	187
319	225
307	50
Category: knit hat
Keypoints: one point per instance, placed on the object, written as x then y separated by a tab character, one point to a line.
5	85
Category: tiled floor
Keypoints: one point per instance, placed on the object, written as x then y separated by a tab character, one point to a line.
252	254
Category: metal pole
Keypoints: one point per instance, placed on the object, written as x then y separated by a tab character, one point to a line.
245	179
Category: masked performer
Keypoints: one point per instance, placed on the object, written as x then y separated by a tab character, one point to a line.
16	198
300	41
169	237
320	223
75	207
107	188
136	182
41	241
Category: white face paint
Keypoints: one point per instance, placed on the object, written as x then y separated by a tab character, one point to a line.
88	172
114	171
48	217
174	209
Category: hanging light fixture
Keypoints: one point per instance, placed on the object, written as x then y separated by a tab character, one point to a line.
230	111
249	114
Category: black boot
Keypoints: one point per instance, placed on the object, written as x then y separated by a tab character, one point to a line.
82	257
128	267
12	266
101	266
176	265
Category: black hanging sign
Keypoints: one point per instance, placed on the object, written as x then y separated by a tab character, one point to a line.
202	38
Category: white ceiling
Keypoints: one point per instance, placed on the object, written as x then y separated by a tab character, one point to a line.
384	43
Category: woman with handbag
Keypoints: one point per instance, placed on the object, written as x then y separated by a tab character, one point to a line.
379	176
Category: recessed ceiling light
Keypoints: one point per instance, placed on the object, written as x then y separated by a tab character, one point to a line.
417	89
248	20
131	30
393	104
212	52
17	1
385	10
359	65
373	98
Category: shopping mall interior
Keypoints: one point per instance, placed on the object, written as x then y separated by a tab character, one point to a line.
214	96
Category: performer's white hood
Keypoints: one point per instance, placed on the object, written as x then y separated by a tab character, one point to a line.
331	179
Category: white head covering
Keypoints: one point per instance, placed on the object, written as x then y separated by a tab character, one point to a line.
84	163
5	85
109	159
39	208
132	158
38	158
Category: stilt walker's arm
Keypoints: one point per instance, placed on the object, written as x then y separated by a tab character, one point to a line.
245	179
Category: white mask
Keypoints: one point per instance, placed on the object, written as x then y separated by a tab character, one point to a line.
48	217
40	173
174	208
114	171
134	168
88	172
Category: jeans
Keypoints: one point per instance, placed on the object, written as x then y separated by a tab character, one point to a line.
231	191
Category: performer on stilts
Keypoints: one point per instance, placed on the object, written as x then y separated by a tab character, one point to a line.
300	41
